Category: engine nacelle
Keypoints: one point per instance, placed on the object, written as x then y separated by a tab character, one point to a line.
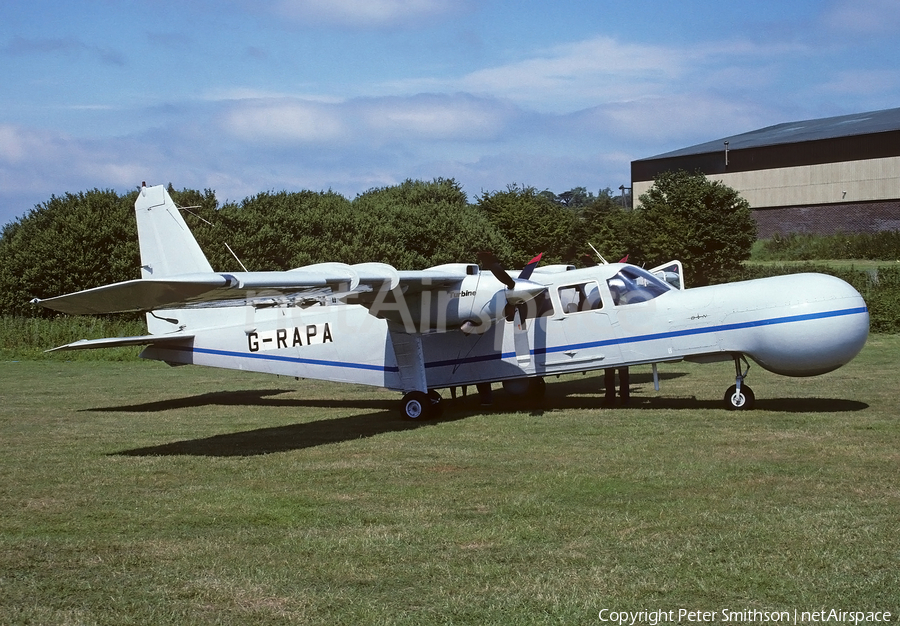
474	305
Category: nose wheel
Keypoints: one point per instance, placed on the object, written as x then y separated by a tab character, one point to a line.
739	397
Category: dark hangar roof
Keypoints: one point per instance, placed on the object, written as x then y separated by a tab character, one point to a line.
794	132
842	138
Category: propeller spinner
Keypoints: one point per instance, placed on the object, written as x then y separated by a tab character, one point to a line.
519	291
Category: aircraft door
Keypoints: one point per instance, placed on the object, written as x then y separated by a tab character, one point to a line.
636	306
582	328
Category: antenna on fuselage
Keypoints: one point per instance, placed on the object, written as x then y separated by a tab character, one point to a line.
235	256
187	208
605	262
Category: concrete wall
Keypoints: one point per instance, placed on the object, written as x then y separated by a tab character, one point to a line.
829	183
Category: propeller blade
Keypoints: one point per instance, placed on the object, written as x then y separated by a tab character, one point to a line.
490	262
520	338
526	272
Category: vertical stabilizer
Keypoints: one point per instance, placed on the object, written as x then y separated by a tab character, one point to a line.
167	245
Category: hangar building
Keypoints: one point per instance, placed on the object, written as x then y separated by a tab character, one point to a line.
830	175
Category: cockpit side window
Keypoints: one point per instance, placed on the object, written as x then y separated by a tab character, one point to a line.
541	306
581	297
632	285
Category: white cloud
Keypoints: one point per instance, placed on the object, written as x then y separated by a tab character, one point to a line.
284	121
366	13
15	144
366	121
437	117
582	72
600	70
673	119
37	164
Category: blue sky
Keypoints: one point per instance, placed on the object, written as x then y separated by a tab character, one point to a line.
244	96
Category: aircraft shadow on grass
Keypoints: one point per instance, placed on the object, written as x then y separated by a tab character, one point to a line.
292	437
379	417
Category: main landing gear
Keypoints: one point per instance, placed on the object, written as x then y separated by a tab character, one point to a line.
739	397
418	405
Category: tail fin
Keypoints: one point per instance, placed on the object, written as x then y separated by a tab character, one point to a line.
167	246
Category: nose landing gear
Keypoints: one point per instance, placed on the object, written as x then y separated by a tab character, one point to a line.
739	397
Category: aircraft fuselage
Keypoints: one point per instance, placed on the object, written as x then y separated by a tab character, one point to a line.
799	325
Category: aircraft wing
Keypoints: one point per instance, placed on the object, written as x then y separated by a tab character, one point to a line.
359	283
115	342
408	282
188	290
413	281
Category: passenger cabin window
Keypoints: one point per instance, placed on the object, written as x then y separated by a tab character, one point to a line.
580	297
632	285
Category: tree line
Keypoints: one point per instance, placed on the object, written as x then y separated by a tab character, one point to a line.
85	239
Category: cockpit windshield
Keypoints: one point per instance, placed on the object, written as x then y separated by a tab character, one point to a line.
632	285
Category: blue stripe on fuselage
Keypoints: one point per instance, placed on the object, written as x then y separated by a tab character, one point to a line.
549	350
280	358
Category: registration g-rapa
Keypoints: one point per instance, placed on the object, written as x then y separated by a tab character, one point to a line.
419	332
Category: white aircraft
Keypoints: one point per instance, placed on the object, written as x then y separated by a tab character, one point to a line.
455	325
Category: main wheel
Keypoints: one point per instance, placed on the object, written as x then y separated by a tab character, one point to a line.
742	401
416	405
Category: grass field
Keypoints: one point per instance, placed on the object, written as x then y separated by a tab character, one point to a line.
134	493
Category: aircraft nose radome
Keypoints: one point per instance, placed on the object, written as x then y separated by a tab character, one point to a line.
823	325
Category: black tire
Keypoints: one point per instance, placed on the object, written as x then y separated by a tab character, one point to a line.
437	405
416	405
742	402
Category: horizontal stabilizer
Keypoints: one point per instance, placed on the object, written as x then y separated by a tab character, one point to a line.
118	342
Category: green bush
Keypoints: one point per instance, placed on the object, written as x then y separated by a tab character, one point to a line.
883	246
68	243
532	223
704	224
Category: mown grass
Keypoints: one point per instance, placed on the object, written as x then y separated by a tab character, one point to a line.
134	493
